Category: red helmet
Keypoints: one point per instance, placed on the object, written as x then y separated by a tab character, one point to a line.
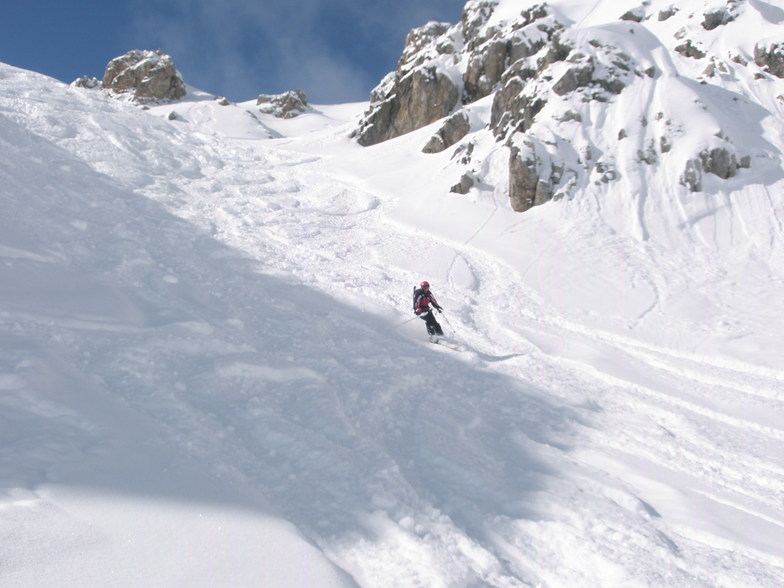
425	284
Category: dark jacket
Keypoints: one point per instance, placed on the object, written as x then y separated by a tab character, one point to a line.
422	301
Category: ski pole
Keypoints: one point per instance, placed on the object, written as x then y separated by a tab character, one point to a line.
404	322
447	322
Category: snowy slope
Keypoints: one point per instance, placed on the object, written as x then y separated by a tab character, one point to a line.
623	159
206	376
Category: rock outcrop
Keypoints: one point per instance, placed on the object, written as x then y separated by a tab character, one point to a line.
453	130
464	185
636	14
86	82
532	175
718	161
416	94
689	49
411	102
667	13
543	77
286	105
770	57
144	76
717	18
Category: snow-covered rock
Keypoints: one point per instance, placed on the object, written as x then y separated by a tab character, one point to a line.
420	92
86	82
144	77
286	105
559	72
770	57
454	128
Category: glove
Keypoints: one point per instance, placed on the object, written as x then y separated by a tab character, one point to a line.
440	310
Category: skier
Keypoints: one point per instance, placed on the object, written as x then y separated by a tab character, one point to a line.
423	298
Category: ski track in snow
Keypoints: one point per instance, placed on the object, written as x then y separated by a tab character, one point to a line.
245	302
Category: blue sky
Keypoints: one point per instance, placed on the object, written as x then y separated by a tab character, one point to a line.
334	50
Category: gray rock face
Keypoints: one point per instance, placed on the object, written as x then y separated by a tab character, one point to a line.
428	84
523	180
513	110
597	76
144	76
454	128
770	57
413	96
716	18
420	98
718	161
474	19
494	52
636	14
425	96
464	185
286	105
530	180
689	49
575	77
417	40
485	69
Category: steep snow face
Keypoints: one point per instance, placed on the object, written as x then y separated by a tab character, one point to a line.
209	372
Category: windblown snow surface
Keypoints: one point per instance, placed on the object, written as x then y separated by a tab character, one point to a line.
209	375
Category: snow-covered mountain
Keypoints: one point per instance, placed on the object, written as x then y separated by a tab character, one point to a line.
210	374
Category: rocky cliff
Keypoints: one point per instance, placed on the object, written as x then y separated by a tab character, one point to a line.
578	100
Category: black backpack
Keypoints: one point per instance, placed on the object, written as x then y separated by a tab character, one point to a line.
418	293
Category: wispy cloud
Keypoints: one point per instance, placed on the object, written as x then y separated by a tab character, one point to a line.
335	51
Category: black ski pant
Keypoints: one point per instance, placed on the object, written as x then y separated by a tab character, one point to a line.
433	328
